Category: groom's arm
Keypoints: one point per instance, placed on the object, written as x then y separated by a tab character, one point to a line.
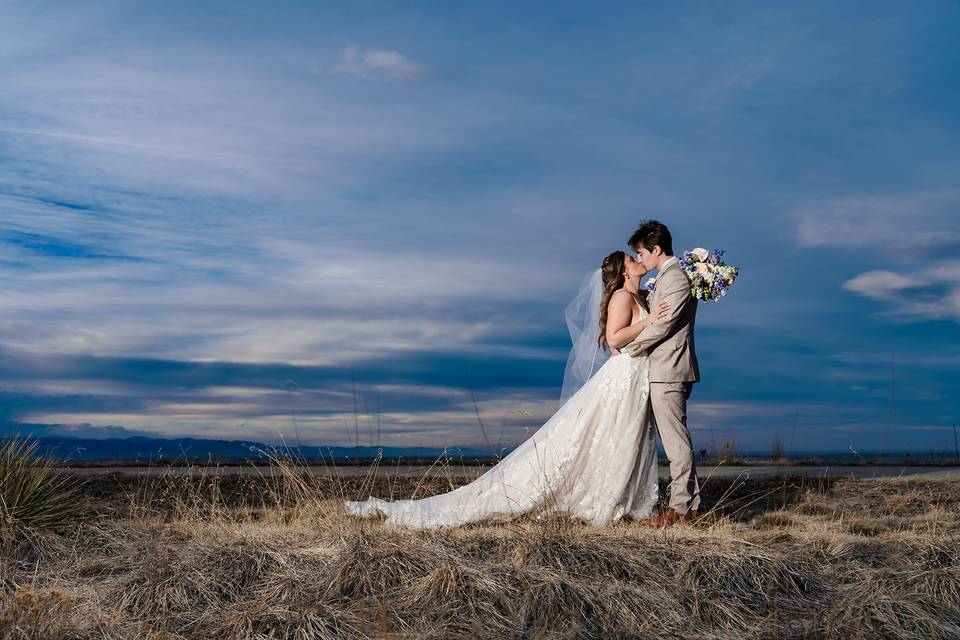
678	295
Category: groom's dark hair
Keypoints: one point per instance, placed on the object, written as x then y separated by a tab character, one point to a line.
650	234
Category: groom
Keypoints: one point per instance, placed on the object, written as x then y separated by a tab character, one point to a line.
673	366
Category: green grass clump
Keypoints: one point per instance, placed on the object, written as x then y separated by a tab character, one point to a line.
33	492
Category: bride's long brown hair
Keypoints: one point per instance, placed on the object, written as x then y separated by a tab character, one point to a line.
612	274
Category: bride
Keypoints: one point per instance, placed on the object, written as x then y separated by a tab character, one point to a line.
595	459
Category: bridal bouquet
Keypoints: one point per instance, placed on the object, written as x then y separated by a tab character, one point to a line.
710	277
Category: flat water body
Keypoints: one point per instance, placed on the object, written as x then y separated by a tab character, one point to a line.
705	472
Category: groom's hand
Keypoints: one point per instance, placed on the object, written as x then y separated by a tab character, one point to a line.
636	351
660	311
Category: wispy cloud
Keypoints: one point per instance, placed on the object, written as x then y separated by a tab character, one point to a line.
379	64
932	293
911	224
918	232
882	285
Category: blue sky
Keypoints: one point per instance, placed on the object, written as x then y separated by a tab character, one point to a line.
217	221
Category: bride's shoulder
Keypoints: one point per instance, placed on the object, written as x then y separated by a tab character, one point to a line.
619	300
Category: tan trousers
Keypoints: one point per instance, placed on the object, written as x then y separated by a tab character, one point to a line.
669	403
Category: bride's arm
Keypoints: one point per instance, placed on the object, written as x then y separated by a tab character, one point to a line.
619	312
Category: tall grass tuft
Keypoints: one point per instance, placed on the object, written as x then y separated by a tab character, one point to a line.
779	450
33	492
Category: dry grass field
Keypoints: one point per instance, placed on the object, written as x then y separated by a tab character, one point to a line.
273	557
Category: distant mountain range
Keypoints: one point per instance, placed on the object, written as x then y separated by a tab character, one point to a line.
114	445
141	449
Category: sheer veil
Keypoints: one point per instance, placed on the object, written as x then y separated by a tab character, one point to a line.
583	323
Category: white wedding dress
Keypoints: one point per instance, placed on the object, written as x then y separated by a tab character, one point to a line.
595	460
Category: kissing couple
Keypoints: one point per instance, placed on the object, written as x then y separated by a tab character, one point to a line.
631	370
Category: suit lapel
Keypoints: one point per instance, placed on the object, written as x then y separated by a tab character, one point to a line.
659	275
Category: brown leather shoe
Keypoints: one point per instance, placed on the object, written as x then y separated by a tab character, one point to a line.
665	518
670	517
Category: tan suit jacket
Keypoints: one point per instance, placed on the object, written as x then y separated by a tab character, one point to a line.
669	340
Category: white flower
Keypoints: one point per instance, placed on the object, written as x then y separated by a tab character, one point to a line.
702	268
700	254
